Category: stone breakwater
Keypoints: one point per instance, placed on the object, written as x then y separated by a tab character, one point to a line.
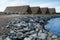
30	28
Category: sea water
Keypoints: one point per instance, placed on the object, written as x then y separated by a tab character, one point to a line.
53	26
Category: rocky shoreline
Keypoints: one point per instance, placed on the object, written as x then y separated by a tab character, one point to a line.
30	28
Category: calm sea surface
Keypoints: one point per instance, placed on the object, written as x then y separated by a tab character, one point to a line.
53	26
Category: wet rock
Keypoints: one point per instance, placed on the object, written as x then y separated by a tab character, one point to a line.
27	38
54	36
29	27
42	35
50	34
7	38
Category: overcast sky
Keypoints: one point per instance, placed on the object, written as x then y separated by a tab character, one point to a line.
41	3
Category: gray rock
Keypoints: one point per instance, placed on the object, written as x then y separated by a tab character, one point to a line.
54	36
31	26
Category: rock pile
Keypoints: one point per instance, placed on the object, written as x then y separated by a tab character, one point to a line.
30	27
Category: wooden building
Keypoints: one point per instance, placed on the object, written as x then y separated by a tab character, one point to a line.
36	10
52	10
29	10
45	10
18	9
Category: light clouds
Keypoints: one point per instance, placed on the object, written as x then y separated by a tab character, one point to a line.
41	3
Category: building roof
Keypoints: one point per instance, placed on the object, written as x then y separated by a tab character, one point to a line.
52	10
35	10
17	9
44	10
28	9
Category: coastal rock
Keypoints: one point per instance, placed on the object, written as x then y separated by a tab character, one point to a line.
30	27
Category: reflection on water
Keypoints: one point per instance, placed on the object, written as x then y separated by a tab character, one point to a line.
54	26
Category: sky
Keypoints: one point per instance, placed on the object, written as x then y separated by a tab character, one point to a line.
42	3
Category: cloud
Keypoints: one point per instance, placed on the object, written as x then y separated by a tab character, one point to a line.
47	4
5	3
54	4
1	1
41	3
51	5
